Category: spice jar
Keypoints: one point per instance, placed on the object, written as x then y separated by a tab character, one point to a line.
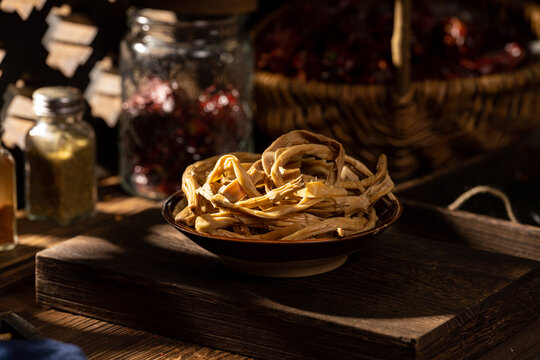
60	158
8	200
187	95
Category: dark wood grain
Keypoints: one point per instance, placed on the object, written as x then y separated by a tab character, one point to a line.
17	265
521	346
472	230
401	297
100	340
426	199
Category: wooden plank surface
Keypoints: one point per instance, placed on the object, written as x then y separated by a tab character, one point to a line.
17	265
486	225
105	341
524	345
471	230
403	296
100	340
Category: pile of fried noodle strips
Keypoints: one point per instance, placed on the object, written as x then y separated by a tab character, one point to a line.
303	186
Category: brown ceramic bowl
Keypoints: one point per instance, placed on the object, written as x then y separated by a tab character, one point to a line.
275	258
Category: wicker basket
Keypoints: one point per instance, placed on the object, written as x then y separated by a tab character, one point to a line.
420	125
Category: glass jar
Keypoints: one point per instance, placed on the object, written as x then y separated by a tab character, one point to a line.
187	95
8	200
60	158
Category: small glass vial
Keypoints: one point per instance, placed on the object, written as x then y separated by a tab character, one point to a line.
8	200
60	158
187	95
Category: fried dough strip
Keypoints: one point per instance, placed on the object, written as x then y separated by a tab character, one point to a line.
187	216
239	171
208	223
273	196
347	205
271	213
302	186
256	176
315	167
211	222
328	226
296	152
195	175
302	137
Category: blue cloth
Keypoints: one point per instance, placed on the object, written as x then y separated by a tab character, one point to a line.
45	349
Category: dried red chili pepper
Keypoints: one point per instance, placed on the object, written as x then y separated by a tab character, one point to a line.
168	131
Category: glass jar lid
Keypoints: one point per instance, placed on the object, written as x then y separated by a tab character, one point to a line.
57	100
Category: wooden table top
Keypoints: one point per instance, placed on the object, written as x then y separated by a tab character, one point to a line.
102	340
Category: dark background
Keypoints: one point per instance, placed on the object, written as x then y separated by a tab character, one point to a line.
25	60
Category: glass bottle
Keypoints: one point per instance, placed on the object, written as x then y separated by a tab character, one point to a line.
187	95
8	200
60	158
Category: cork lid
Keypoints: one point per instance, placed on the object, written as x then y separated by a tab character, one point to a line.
201	7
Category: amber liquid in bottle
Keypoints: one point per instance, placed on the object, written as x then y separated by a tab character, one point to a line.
8	231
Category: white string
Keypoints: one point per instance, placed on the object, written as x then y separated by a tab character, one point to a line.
484	189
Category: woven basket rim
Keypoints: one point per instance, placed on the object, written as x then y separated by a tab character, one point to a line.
483	79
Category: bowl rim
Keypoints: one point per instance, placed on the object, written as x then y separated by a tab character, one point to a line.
169	205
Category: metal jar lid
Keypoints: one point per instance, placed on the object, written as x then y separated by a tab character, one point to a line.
201	7
57	100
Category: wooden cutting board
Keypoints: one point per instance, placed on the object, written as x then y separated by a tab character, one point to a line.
402	297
